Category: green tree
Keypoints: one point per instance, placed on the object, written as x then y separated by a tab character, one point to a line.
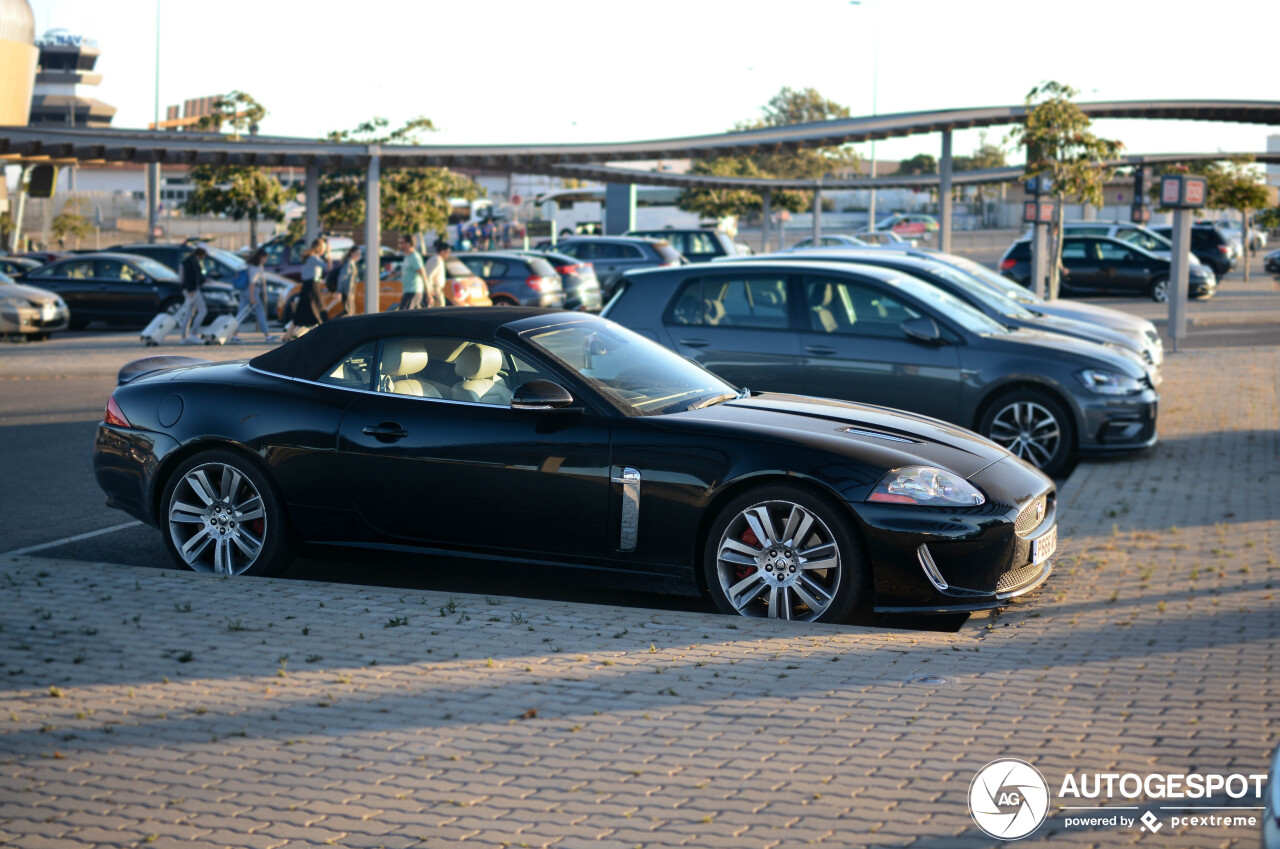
71	222
1267	219
1236	184
1060	145
987	156
413	200
787	107
240	191
921	163
7	225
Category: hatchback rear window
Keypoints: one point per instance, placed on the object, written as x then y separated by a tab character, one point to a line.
456	268
541	267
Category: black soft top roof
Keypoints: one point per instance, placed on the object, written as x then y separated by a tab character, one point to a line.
309	356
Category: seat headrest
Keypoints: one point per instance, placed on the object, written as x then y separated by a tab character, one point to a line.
403	356
477	362
820	296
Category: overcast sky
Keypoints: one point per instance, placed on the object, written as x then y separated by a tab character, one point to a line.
504	71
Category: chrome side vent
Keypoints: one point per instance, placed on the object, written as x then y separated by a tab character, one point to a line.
877	435
931	570
629	523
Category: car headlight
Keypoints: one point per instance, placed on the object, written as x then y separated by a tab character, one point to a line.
1108	382
926	485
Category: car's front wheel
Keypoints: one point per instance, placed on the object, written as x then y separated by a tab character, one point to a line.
782	552
1160	290
221	515
1033	426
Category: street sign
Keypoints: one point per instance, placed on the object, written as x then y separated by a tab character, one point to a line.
1140	213
1183	191
1039	186
1038	212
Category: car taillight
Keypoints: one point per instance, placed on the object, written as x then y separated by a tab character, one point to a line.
1223	249
534	282
566	269
458	290
1007	264
114	415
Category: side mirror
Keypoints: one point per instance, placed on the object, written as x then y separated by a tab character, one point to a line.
540	395
923	330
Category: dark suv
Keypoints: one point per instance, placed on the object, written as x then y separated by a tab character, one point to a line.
613	256
697	244
516	280
1097	265
1209	246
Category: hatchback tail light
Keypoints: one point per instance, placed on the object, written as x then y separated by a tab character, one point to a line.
114	415
1223	249
534	282
567	269
1007	264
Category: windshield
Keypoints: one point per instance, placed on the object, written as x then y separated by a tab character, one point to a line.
155	270
1145	240
993	300
1000	283
638	375
227	258
947	304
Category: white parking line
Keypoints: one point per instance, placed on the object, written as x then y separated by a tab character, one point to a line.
42	546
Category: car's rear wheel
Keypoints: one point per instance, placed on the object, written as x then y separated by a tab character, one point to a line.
222	515
1033	425
782	552
1160	290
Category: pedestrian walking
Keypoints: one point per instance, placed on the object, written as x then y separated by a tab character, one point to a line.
193	278
310	310
413	278
435	273
486	235
348	273
257	291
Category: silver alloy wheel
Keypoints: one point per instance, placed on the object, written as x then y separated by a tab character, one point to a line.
217	520
1160	291
779	560
1029	430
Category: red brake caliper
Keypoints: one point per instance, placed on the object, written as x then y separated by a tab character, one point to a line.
750	538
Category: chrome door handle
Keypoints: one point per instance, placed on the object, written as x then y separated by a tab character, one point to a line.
386	432
821	350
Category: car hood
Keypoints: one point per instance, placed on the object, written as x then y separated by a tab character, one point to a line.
891	437
31	293
1093	314
1040	344
1129	338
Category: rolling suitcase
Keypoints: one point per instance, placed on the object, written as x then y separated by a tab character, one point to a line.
225	326
163	324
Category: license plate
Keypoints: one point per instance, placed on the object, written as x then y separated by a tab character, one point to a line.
1044	547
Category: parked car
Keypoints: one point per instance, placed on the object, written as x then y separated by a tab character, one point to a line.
995	305
463	287
829	242
1210	247
1271	262
909	225
30	311
121	288
613	458
42	257
1097	265
1130	325
13	265
876	336
577	278
219	265
516	280
1131	234
697	244
613	256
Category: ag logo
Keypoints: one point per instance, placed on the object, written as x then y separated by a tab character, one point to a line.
1008	798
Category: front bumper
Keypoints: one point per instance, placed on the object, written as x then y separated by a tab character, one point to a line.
1202	287
953	560
1110	424
31	320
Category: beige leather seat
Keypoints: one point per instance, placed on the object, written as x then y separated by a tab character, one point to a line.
478	366
821	316
400	358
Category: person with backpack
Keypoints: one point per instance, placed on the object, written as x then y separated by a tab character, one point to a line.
252	282
193	278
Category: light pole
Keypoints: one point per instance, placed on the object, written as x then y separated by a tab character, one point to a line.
875	91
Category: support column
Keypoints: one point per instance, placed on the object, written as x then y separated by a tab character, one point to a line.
153	200
372	227
944	194
817	215
15	239
619	208
767	198
1039	258
1179	271
313	203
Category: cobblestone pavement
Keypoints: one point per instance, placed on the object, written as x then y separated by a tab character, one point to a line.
140	707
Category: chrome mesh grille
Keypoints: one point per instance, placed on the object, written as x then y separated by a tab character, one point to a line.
1018	577
1027	520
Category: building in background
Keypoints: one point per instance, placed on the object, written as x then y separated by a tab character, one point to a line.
63	82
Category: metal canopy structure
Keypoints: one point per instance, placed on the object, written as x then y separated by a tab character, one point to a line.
26	145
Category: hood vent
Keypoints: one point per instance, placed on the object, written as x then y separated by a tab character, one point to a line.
857	431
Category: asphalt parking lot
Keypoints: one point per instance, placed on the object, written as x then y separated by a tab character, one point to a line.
146	705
